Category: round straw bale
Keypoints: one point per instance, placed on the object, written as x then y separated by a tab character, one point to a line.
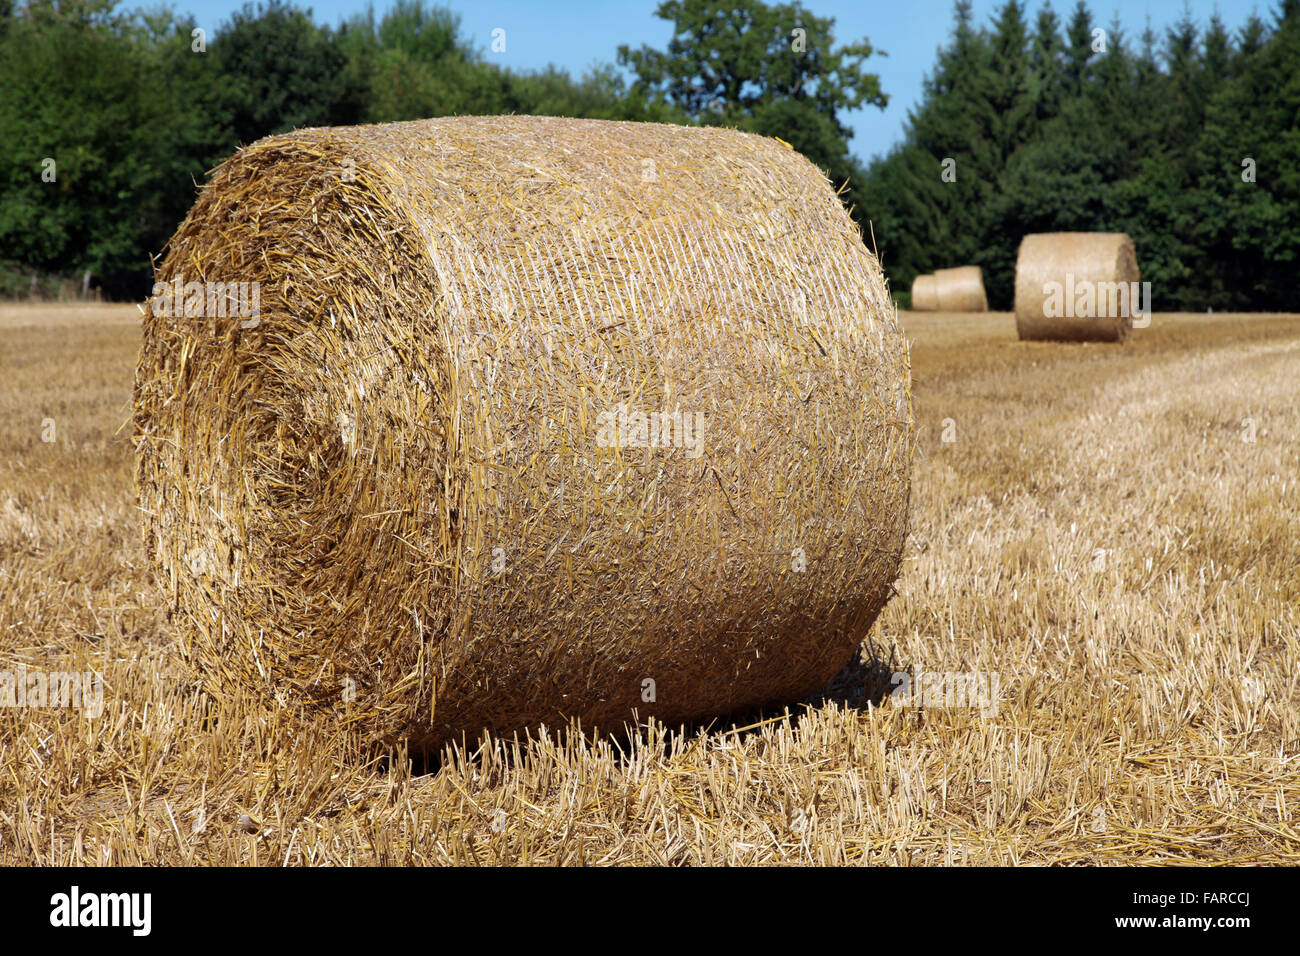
1076	286
538	419
961	289
925	294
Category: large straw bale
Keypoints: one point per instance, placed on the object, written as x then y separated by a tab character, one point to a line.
925	294
961	289
397	493
1055	274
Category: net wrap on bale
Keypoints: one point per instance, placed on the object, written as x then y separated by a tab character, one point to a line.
538	419
1076	286
960	289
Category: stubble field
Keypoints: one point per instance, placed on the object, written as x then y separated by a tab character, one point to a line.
1111	533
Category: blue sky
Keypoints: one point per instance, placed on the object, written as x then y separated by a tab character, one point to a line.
574	34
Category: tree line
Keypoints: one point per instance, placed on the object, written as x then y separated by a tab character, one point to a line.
1188	139
111	120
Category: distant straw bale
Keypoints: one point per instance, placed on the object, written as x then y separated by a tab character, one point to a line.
961	289
537	418
925	294
1077	286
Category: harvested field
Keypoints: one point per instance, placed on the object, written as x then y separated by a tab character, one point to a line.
1111	531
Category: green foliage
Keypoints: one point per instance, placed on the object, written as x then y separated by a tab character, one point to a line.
274	70
134	110
412	64
769	69
104	132
1250	231
726	61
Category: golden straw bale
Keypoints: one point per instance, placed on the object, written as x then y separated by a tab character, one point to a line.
538	418
1076	286
925	294
961	289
